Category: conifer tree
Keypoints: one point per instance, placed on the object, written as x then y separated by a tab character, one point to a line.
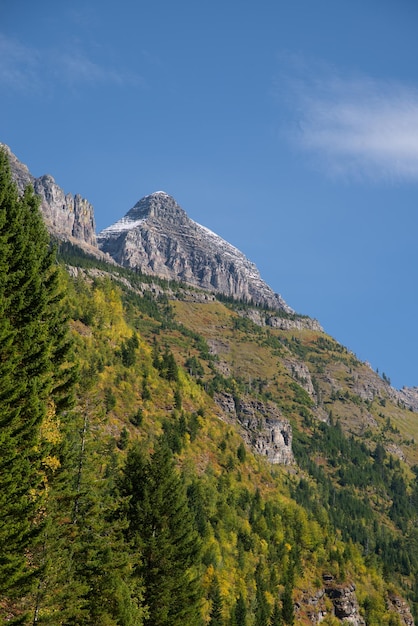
215	614
239	616
162	528
288	611
36	379
89	581
262	611
276	616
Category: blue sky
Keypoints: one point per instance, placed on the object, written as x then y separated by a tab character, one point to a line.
288	128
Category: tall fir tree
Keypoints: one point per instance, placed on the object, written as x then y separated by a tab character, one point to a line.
162	528
276	616
36	378
262	611
239	615
215	615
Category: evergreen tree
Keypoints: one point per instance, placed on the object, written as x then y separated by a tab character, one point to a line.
262	611
239	617
276	616
89	579
36	380
288	611
162	528
215	614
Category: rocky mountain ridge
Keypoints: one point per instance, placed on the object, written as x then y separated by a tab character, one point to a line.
67	216
158	237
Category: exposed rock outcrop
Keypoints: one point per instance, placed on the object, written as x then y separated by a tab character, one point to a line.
66	216
344	604
264	428
346	607
398	605
289	322
408	396
157	237
300	372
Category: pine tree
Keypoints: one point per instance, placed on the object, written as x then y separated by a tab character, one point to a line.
162	528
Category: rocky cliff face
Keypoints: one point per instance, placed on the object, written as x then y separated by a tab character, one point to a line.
66	216
344	607
158	237
264	428
409	397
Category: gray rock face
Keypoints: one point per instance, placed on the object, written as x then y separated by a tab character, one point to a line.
399	606
295	322
346	607
20	172
158	237
264	428
409	397
66	216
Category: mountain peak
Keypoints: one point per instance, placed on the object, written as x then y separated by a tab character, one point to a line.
157	237
158	205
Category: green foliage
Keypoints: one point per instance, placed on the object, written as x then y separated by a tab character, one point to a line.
358	471
161	526
165	363
241	453
137	418
194	367
127	526
35	372
276	616
215	615
128	351
239	617
88	574
123	439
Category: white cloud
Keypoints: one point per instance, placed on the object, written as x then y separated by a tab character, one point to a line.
26	69
357	126
78	68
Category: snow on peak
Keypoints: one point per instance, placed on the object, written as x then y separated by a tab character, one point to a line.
120	226
159	193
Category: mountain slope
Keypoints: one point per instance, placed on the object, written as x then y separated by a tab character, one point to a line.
299	462
344	495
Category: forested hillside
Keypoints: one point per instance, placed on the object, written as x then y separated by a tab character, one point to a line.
134	488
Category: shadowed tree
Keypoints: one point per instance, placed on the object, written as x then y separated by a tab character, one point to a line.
162	528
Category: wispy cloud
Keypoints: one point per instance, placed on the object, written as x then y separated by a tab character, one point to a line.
357	126
27	69
76	67
19	65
